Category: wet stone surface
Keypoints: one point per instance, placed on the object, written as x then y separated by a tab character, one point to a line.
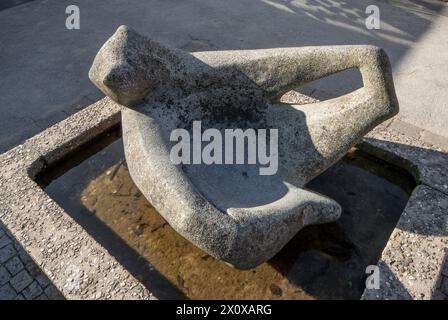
321	262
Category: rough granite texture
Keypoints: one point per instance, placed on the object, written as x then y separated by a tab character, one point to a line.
414	263
230	211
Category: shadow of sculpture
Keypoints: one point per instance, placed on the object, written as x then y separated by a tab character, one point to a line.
192	26
329	261
426	216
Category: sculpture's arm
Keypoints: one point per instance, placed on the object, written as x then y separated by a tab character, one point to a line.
346	119
279	70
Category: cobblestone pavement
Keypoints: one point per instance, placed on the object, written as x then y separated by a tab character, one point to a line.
20	277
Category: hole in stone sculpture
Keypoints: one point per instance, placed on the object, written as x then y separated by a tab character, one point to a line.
330	87
321	262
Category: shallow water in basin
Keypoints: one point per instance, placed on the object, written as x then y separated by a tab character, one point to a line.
321	262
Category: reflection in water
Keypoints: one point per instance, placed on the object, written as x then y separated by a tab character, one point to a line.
325	261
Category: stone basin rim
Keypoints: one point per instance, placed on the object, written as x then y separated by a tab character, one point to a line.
21	164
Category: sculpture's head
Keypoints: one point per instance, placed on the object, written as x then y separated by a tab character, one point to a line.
129	66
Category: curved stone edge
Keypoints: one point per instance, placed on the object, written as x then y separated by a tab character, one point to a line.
37	221
414	263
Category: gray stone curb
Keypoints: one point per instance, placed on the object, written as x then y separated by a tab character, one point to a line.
58	245
414	265
20	278
411	263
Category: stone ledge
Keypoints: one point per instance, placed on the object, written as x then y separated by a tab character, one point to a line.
38	222
412	261
428	164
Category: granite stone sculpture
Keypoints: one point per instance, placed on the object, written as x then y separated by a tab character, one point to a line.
231	211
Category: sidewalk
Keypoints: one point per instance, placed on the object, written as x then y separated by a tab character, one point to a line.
44	66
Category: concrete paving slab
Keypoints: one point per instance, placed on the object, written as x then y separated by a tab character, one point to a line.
44	65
